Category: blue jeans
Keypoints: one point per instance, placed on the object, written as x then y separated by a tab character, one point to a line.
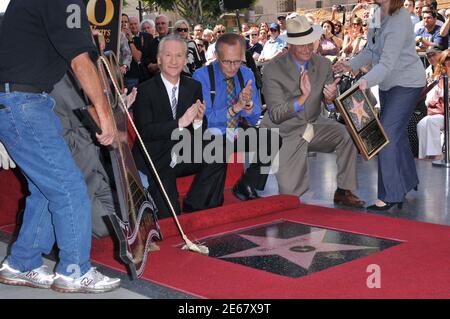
58	206
397	173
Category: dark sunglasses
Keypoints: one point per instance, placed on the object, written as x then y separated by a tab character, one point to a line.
274	30
182	29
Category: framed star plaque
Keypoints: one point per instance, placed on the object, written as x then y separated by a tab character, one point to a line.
362	122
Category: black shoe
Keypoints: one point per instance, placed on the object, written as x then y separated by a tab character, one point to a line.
385	207
244	191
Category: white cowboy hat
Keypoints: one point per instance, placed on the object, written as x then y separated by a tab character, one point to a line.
300	31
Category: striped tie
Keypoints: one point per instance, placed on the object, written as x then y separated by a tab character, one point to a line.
174	102
232	121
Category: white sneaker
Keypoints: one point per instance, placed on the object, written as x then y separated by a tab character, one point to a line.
91	282
36	278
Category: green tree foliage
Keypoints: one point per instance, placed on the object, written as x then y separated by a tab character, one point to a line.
206	12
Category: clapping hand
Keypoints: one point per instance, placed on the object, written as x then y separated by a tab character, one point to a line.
200	111
188	116
305	85
245	98
131	97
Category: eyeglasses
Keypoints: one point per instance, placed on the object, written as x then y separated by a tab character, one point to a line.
229	63
355	24
273	30
182	29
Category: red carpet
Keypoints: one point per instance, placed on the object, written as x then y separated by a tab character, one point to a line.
417	268
12	191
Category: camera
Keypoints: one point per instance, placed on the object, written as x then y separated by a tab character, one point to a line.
340	8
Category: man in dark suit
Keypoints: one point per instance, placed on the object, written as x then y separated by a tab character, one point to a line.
140	46
166	105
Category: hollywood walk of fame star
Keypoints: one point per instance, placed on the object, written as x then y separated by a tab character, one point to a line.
300	249
358	110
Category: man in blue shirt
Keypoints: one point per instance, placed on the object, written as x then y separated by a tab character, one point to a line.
274	46
429	34
231	98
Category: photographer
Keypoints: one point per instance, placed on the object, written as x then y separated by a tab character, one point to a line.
337	8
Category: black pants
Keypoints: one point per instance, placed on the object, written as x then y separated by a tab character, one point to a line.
207	188
261	144
205	192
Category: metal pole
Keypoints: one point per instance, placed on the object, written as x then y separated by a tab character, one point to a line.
238	21
140	10
446	161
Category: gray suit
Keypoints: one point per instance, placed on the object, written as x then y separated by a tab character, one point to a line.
280	88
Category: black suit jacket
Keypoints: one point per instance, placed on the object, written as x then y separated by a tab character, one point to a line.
142	42
154	120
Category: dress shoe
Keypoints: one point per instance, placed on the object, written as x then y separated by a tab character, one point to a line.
243	191
347	198
387	206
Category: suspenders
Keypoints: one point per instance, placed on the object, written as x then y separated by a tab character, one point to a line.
213	82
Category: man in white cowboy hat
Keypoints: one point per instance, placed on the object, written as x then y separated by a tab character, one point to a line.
295	86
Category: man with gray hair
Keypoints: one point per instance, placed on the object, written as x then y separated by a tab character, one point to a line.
162	28
148	26
140	45
166	104
231	97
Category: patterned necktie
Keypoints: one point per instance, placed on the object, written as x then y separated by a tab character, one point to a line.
174	102
232	121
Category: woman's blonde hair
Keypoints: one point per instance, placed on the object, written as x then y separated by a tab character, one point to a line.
440	67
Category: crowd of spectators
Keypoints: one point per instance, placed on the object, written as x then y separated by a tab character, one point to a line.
344	35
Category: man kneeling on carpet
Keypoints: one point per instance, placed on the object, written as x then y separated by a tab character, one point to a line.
166	105
294	87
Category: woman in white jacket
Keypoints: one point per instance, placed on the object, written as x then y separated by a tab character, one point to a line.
429	128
